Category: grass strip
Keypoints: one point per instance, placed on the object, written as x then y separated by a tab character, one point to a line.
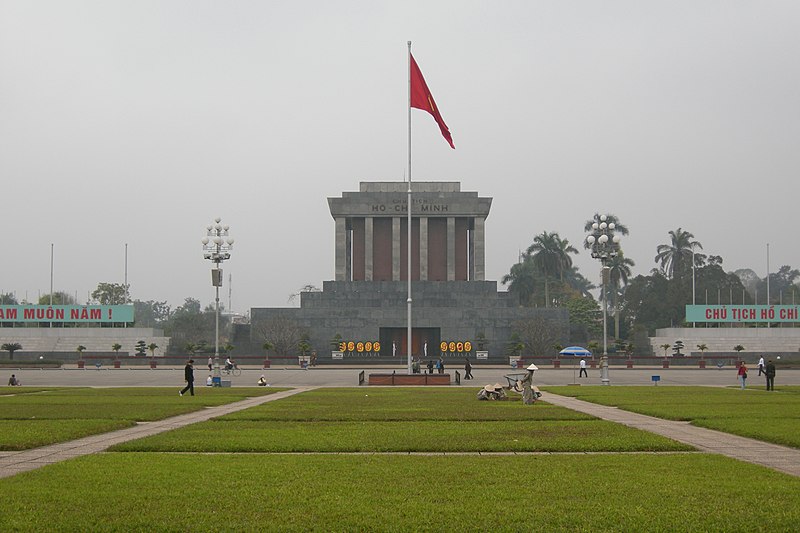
413	404
167	492
424	436
754	413
58	415
26	434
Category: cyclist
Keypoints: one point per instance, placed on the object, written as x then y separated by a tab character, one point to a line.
229	364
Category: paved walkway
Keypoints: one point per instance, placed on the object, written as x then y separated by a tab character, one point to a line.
779	458
772	456
14	462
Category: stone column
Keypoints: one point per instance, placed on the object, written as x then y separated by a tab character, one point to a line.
368	248
423	248
341	259
479	250
395	249
451	249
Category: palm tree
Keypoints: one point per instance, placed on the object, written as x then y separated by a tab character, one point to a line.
521	280
80	350
577	281
550	254
11	347
619	270
116	347
666	347
674	258
702	348
152	347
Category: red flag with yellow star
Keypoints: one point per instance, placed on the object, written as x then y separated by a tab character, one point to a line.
421	98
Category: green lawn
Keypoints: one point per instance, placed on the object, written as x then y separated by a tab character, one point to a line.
402	420
47	416
252	492
755	413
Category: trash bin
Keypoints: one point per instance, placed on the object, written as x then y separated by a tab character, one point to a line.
216	381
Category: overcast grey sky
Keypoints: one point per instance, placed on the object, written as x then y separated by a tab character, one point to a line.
138	122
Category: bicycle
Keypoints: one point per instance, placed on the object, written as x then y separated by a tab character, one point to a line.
236	371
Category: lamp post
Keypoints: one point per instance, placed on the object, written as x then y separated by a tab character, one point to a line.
217	248
604	245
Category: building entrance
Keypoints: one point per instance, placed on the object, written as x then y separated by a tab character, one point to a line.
424	342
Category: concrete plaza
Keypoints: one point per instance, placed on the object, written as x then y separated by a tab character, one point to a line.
327	376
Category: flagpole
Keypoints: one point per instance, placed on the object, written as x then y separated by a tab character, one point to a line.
408	205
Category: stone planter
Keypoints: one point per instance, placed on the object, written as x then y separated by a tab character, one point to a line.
665	364
629	364
153	363
81	363
266	363
593	364
556	363
701	363
117	364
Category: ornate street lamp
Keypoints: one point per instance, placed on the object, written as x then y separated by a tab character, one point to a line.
217	248
604	245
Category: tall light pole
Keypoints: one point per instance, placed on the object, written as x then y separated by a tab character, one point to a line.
604	245
217	248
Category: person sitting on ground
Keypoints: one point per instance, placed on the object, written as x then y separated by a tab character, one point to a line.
209	381
262	381
13	381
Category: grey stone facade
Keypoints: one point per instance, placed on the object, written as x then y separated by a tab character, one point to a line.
452	301
460	310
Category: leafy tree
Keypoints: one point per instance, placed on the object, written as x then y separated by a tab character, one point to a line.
675	258
578	282
666	346
228	348
116	347
151	313
585	312
515	346
538	334
267	346
80	349
11	347
738	348
141	348
8	298
111	294
285	334
59	298
152	347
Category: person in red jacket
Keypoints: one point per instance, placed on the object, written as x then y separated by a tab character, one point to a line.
743	374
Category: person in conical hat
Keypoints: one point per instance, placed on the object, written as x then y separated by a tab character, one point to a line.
527	384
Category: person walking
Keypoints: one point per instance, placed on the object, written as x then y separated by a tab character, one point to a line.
210	364
583	372
761	365
742	373
467	369
770	372
188	375
440	365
